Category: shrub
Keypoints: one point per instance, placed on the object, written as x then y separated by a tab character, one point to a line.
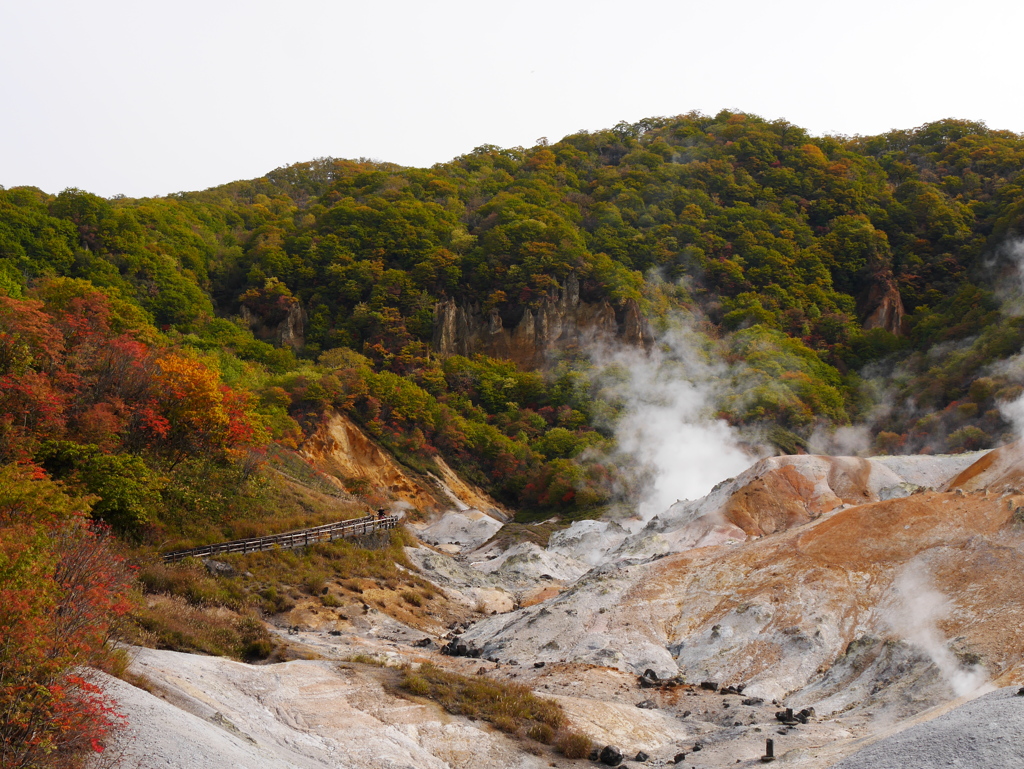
575	745
541	733
415	684
314	581
191	581
61	590
968	438
172	623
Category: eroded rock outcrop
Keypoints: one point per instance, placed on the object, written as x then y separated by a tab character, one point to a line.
561	320
882	305
286	331
341	450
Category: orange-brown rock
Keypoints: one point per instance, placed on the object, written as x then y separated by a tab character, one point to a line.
342	450
1000	470
882	306
465	494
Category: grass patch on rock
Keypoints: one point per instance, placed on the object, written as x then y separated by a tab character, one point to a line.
512	708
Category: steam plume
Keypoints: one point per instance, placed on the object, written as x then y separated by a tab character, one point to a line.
919	607
667	425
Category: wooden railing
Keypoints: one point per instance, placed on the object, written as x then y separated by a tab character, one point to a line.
290	539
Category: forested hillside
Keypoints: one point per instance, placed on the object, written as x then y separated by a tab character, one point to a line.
152	350
808	258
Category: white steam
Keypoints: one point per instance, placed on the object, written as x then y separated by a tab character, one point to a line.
846	441
667	426
919	607
1013	412
1012	368
1011	292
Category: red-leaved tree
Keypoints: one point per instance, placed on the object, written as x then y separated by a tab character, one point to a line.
62	589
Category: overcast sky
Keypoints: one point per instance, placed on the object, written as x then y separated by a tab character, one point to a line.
142	98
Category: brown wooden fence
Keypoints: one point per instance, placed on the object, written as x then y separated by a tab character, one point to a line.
290	539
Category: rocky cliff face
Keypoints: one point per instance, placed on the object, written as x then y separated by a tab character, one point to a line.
289	332
561	321
882	305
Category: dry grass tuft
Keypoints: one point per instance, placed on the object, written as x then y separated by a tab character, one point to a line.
575	745
512	708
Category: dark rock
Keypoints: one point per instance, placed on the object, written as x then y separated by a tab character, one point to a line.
611	756
333	632
595	755
729	690
679	757
751	701
641	757
1020	692
698	746
219	568
648	680
787	716
647	705
711	686
423	643
686	713
538	664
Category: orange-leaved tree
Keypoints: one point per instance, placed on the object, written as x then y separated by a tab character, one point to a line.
61	592
203	414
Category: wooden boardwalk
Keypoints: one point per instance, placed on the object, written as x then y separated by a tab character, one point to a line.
290	539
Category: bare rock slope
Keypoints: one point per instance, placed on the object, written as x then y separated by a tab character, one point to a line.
815	577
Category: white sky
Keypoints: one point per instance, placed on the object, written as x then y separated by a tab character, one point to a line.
141	98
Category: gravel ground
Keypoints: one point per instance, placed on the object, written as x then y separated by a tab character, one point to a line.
983	734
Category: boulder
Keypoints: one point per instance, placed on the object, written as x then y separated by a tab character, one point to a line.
611	756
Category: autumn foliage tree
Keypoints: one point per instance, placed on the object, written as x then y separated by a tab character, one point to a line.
73	368
61	592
